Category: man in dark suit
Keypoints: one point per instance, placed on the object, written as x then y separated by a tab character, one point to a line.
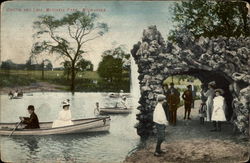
188	100
32	121
173	101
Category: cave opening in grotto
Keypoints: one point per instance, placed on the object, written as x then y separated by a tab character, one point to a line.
196	78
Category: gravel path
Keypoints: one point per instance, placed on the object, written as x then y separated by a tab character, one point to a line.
189	141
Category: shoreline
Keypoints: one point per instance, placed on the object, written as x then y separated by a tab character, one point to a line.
35	87
193	150
189	141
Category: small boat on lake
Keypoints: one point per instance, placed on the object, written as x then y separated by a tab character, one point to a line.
118	95
115	110
89	125
17	97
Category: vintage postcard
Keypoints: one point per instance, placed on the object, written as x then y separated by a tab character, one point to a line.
125	81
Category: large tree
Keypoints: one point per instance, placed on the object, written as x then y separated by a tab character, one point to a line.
113	63
81	66
210	19
67	36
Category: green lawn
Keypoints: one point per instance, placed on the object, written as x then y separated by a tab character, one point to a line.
185	82
58	74
88	81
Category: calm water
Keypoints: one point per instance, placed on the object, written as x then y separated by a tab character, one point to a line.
107	147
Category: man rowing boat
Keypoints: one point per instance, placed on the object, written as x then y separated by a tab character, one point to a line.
122	103
32	121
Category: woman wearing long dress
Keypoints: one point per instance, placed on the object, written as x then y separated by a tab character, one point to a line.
209	103
64	117
219	108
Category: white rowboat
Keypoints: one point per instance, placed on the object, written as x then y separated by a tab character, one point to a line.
116	110
93	125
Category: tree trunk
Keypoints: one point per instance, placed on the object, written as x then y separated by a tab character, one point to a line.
43	70
68	73
73	75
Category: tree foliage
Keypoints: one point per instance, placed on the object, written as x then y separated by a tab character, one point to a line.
66	36
113	63
82	65
210	18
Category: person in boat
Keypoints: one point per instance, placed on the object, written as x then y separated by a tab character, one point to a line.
160	120
20	94
122	103
11	94
64	117
210	95
173	100
219	109
97	109
188	101
32	121
121	94
15	93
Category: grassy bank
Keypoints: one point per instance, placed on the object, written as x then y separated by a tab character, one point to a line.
88	81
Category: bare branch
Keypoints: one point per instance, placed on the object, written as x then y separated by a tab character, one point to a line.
70	32
90	39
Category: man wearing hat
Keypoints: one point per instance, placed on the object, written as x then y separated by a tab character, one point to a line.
173	100
64	117
160	120
32	121
188	100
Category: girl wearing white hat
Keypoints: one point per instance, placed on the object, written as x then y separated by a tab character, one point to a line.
219	108
64	117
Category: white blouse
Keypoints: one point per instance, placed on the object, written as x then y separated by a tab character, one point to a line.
64	119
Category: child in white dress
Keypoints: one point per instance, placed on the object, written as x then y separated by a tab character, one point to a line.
219	106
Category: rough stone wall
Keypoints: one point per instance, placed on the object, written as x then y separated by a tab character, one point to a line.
202	58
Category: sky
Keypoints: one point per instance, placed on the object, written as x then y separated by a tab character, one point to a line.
126	21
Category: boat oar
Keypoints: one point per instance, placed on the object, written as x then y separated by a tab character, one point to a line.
15	128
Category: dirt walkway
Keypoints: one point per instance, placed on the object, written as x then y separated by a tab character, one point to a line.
191	142
34	87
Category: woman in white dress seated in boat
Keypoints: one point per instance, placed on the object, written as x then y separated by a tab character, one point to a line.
64	117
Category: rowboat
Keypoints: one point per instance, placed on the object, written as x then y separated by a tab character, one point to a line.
117	95
89	125
115	110
17	97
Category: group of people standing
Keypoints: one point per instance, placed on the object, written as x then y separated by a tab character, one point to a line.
172	96
166	109
213	106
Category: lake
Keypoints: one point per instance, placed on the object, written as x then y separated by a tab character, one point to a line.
109	147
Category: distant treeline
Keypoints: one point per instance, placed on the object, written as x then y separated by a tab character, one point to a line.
10	65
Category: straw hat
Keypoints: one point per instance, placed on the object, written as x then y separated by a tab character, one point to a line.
65	103
219	90
161	97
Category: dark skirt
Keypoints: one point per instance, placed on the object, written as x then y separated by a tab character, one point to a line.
160	131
